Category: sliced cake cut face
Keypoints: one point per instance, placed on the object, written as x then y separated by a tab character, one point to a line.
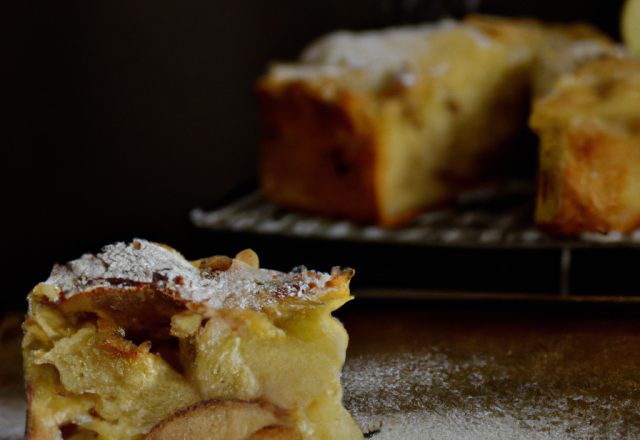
589	128
137	342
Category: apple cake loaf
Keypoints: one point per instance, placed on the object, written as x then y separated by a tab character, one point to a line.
589	128
377	126
138	343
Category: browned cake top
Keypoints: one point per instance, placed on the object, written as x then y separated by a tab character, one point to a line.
608	90
143	264
369	60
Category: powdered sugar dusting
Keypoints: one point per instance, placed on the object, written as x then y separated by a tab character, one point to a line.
127	266
437	372
368	58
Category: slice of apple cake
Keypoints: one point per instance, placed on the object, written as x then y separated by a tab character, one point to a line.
136	342
589	128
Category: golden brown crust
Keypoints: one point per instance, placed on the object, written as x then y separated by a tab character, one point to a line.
160	278
318	155
32	430
560	48
590	150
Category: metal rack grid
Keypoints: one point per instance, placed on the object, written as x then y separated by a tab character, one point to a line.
498	215
492	216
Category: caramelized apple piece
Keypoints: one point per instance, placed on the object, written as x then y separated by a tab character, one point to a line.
222	420
217	262
135	310
249	257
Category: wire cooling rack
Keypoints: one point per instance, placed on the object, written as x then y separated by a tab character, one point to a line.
497	215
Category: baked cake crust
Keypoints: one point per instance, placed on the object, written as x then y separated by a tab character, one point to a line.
589	128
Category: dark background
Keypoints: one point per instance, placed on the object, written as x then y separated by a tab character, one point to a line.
118	117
